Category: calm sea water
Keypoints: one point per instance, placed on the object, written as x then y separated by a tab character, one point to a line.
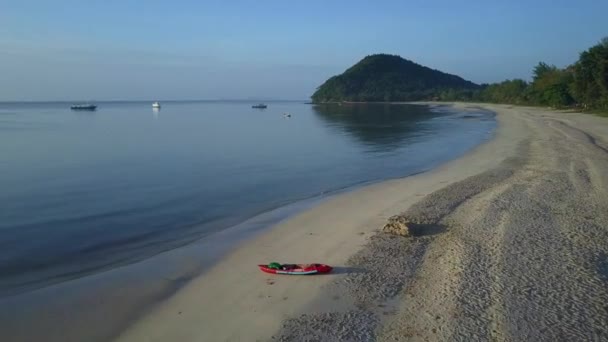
85	191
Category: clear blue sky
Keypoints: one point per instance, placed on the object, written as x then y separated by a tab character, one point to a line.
121	49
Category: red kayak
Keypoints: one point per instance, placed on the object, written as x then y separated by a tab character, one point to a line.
297	269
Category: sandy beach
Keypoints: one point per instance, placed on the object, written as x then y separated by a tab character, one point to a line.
511	244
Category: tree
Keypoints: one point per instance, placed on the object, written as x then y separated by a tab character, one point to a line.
390	78
551	86
509	91
590	82
541	70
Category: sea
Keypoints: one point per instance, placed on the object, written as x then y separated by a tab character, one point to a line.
82	192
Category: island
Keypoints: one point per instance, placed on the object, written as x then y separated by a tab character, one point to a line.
388	78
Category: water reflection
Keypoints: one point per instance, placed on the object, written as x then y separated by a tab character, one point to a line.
379	126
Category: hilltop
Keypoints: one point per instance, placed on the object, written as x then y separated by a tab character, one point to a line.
385	77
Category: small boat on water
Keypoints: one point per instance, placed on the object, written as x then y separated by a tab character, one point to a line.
260	106
83	106
156	104
295	269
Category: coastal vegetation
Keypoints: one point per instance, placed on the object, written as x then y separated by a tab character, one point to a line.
383	77
583	85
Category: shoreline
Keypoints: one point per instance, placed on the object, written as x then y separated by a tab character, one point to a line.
260	303
278	213
511	233
534	197
185	216
494	256
128	291
143	285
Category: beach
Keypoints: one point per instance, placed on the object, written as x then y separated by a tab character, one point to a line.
109	206
398	172
122	241
512	246
508	243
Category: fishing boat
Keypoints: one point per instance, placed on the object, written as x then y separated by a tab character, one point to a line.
260	106
156	104
83	106
295	269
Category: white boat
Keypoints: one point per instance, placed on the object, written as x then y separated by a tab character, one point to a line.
156	105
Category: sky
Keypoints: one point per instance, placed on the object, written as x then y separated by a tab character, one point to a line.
267	49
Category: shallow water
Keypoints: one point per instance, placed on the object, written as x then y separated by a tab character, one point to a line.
87	191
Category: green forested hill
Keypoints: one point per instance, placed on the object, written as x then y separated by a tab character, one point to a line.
388	78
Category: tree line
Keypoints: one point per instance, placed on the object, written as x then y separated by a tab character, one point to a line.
583	84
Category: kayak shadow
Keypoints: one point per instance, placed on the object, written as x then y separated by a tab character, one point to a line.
346	270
